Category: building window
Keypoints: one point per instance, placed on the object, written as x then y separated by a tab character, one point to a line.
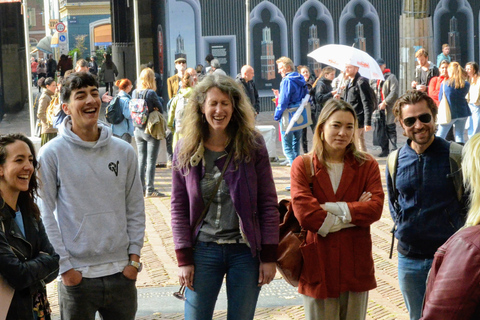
32	18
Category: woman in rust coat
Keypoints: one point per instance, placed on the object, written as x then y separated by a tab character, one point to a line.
345	199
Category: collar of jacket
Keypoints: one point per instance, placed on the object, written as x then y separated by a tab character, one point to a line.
199	154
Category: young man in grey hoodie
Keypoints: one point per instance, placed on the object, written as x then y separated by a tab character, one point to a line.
93	209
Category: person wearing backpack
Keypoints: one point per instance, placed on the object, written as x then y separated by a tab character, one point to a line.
424	196
147	146
49	86
179	102
123	129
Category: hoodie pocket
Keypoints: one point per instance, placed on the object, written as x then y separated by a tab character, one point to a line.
100	233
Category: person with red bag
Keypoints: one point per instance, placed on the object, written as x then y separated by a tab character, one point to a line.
345	199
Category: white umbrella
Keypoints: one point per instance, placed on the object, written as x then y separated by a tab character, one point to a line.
338	56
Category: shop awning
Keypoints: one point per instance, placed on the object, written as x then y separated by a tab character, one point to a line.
54	41
44	44
103	35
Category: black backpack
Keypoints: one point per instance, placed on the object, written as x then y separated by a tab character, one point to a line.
114	112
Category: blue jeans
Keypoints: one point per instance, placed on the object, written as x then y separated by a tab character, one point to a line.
214	261
474	120
114	297
412	276
291	144
459	129
147	148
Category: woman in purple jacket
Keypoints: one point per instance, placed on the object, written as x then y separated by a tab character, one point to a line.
237	234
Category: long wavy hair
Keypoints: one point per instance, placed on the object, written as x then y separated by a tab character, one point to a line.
147	80
457	77
240	131
471	178
26	198
332	106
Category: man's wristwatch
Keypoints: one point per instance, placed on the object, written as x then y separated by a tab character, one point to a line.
135	264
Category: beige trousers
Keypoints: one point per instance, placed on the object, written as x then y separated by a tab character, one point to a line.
361	139
349	306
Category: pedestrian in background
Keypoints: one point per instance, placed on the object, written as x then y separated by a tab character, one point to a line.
245	78
336	209
108	73
309	80
456	89
49	87
323	89
147	146
124	129
473	98
237	234
27	259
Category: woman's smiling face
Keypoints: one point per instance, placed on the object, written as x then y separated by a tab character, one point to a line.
218	110
18	168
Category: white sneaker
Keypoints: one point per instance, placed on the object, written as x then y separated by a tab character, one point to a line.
284	163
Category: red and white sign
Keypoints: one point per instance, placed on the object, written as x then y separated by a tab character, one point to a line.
60	27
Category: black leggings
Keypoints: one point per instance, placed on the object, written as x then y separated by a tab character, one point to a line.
109	84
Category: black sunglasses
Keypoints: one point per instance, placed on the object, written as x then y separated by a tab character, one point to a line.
410	121
180	294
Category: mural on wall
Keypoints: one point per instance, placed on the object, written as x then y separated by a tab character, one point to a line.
360	26
181	41
312	28
447	29
268	34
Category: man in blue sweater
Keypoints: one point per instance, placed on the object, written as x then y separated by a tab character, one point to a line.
423	202
93	209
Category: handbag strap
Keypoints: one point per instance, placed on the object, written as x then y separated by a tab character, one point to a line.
207	206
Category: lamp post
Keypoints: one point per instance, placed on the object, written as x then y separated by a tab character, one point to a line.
29	70
247	29
137	37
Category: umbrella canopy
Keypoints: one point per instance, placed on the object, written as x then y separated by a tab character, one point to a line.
338	56
44	44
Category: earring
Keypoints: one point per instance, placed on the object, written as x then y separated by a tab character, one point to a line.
321	136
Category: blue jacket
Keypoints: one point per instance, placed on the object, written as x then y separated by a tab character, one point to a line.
253	194
126	126
428	210
293	89
456	99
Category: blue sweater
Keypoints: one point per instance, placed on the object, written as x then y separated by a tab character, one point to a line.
428	209
456	99
293	89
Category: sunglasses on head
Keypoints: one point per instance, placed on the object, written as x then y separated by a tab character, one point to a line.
424	118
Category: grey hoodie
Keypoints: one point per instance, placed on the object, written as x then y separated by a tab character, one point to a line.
91	198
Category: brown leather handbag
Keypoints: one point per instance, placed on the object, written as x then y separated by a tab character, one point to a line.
289	256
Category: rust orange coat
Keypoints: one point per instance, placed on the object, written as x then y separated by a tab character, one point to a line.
342	261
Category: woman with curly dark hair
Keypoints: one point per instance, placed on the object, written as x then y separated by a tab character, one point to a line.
27	259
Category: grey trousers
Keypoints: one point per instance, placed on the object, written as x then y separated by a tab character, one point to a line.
114	297
349	306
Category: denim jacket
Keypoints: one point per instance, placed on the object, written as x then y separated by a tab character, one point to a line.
254	198
428	210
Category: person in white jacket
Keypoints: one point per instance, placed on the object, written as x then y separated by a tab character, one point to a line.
93	209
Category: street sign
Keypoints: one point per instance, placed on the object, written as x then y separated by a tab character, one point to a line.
60	27
62	38
52	23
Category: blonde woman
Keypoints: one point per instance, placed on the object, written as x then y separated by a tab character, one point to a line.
147	146
452	289
175	114
345	199
455	88
236	236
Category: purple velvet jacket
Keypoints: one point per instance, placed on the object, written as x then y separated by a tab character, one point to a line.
254	197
